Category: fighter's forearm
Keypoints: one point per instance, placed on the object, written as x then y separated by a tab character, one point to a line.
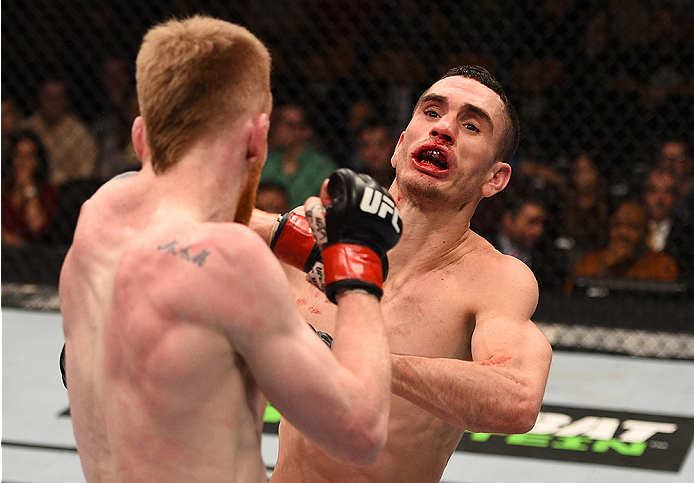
361	347
262	223
361	342
468	395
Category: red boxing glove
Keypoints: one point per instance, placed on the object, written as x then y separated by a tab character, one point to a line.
292	242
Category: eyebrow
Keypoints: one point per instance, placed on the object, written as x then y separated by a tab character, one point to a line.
467	106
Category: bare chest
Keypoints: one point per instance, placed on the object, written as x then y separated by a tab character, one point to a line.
431	315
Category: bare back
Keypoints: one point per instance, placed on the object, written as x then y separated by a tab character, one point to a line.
432	311
155	395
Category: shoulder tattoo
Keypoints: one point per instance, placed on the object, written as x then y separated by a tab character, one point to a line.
185	252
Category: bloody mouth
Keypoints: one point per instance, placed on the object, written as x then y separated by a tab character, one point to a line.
432	160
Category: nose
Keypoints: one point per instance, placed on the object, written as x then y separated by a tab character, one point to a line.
443	131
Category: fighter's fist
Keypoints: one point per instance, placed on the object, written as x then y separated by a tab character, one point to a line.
292	241
361	212
360	225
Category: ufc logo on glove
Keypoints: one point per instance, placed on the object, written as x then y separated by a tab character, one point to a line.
374	202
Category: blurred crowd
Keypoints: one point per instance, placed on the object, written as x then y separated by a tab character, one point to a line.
603	182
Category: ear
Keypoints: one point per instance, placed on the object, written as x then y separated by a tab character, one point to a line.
139	138
501	174
257	140
393	159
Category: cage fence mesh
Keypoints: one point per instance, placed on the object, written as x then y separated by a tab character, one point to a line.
610	79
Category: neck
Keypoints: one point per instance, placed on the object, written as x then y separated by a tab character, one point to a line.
429	236
207	180
433	215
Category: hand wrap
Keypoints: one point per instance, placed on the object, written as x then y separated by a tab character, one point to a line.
355	232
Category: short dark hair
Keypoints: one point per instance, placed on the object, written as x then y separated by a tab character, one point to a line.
511	138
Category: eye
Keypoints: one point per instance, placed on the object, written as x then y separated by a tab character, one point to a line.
431	113
471	127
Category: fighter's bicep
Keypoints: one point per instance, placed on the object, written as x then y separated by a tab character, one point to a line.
255	290
291	364
263	317
503	323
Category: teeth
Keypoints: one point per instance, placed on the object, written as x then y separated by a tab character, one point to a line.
433	157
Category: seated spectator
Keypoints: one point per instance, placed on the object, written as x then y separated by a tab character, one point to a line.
71	148
29	201
675	156
116	81
659	196
272	197
534	169
485	220
293	160
375	145
116	152
358	113
585	207
521	233
626	254
667	232
9	121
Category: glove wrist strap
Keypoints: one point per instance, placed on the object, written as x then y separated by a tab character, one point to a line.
350	266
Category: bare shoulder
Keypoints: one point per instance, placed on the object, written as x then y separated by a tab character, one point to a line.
206	272
213	254
498	275
507	297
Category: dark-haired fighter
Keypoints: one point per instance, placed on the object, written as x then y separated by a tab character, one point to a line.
465	353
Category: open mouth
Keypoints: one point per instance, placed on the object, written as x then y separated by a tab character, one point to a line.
432	157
